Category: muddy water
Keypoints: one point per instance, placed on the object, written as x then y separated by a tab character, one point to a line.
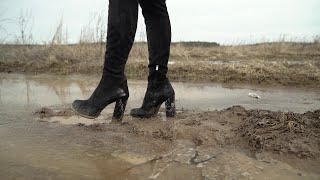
46	149
52	90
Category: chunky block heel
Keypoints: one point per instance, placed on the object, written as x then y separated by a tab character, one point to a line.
170	107
119	109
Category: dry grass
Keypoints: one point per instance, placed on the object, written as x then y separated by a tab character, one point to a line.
283	63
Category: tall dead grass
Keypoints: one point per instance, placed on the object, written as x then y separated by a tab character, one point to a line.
295	65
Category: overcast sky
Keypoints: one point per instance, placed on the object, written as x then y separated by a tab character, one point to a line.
222	21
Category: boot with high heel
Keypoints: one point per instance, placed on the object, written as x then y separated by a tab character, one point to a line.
158	92
159	39
105	94
122	25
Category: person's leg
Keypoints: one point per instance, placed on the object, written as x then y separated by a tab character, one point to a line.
159	39
158	34
122	25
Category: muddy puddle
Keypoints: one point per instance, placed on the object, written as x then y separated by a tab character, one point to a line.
41	138
52	90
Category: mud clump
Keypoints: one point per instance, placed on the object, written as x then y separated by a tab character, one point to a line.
202	128
284	133
48	112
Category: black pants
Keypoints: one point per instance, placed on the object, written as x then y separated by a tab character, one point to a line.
122	25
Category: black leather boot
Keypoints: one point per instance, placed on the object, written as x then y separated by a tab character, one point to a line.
158	91
122	25
159	39
107	92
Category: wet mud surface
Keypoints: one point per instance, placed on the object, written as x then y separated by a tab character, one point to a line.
259	130
41	141
231	143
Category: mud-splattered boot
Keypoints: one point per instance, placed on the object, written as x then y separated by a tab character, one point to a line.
107	92
158	92
122	25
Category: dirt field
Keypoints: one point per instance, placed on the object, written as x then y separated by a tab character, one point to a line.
282	63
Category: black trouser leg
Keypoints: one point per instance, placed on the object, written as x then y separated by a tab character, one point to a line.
158	34
122	25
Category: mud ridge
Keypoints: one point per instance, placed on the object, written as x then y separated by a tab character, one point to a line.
281	132
257	130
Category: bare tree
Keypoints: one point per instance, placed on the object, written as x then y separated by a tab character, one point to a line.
25	24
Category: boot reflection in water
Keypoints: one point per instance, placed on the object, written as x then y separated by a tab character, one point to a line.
122	25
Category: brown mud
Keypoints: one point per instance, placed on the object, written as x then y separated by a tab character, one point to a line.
193	145
231	143
258	130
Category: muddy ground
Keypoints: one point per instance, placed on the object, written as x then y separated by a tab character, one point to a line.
232	143
259	130
41	138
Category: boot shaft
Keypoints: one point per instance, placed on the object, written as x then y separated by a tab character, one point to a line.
122	26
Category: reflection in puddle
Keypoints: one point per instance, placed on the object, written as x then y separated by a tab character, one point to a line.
51	90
